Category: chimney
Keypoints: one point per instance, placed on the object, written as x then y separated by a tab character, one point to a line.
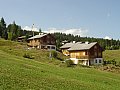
74	41
41	33
86	42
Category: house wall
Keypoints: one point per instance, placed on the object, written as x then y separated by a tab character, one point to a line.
43	41
92	56
34	42
98	61
48	40
78	61
95	52
75	61
79	54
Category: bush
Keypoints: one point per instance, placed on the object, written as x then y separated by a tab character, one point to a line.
54	54
28	56
85	66
113	62
118	64
69	63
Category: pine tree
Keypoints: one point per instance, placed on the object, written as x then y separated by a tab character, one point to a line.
14	31
3	30
40	31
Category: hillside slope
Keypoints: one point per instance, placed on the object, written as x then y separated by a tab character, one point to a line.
19	73
112	54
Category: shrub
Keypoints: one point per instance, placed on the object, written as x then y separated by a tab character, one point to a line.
113	62
26	55
118	64
85	66
69	63
54	54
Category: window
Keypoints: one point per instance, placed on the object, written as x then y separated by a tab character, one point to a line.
42	47
72	55
48	47
100	61
52	47
35	40
77	55
96	61
86	53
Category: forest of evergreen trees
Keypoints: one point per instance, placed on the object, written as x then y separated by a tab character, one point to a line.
13	31
105	43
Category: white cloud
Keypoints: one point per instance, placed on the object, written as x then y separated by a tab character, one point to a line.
107	37
74	31
30	28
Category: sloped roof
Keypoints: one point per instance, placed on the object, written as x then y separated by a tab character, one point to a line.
37	36
82	46
67	45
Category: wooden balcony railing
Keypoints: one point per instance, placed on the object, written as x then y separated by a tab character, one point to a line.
82	57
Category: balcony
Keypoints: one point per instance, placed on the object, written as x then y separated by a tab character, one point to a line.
82	57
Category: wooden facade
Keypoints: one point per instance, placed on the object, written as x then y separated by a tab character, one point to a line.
87	55
45	42
79	54
94	52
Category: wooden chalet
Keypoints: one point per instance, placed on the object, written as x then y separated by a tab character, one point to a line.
84	53
43	41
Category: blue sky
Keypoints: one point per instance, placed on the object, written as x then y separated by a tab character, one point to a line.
92	18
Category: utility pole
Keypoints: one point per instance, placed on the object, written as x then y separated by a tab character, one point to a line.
33	34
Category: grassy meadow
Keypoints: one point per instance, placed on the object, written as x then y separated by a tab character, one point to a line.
112	54
43	73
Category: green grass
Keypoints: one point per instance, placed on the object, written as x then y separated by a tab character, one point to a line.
112	54
20	49
19	73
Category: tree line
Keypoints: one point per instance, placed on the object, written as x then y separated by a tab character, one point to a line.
105	43
13	31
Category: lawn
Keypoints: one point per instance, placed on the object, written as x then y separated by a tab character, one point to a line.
112	54
19	73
